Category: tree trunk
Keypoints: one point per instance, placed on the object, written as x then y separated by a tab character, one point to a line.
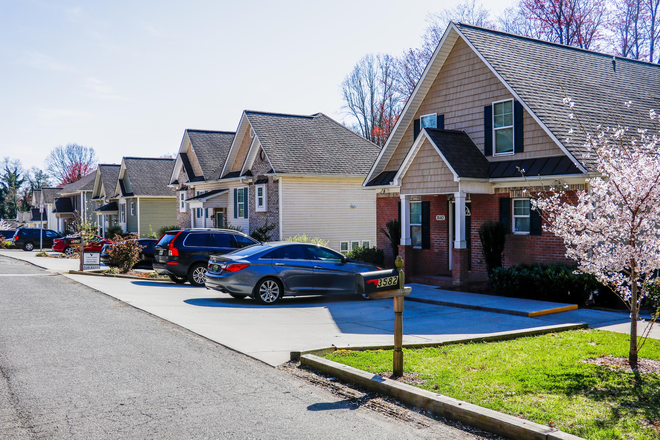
634	309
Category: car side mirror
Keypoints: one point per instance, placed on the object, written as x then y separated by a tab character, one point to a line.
344	259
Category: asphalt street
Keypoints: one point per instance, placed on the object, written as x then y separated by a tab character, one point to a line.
76	363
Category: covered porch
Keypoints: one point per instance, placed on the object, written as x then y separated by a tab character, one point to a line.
107	215
209	209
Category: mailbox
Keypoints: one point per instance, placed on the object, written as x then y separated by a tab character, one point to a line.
380	281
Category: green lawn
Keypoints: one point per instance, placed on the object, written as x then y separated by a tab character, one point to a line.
540	378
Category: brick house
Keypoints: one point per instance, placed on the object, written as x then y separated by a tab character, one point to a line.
302	174
104	202
487	104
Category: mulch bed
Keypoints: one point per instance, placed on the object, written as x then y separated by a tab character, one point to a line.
645	366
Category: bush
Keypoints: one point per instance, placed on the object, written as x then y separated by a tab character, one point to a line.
303	238
164	229
652	302
493	237
112	231
234	228
392	231
554	282
368	254
125	253
263	234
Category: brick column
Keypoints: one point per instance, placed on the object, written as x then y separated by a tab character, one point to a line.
459	266
406	252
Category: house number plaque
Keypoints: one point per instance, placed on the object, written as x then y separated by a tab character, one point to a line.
440	218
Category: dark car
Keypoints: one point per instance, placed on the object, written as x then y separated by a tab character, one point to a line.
268	271
184	254
146	255
28	238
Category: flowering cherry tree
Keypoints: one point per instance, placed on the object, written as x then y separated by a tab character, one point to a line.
613	230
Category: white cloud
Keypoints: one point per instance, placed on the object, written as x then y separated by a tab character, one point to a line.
98	89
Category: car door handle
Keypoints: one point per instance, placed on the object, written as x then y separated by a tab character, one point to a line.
279	264
318	267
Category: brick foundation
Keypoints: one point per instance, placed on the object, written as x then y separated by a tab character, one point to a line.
459	269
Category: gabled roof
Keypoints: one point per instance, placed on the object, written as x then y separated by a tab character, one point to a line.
211	149
539	75
314	144
50	194
208	195
459	152
85	183
109	176
148	176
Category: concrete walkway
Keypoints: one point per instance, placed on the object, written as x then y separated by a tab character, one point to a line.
270	333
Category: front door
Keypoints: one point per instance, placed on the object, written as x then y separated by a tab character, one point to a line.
219	219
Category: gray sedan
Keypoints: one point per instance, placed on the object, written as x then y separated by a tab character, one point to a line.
268	271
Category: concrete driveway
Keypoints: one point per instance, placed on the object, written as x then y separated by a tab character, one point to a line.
270	333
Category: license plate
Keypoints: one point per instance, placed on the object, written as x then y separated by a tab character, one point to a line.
387	282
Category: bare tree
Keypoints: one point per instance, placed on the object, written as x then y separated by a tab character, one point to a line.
651	10
514	21
70	163
370	99
627	27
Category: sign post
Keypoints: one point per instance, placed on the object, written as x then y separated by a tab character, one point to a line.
41	232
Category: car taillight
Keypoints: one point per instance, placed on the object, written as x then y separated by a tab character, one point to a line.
16	238
235	267
171	250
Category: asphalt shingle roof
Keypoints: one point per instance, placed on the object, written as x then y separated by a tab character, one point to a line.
109	176
50	194
313	144
462	154
211	149
85	183
149	176
543	73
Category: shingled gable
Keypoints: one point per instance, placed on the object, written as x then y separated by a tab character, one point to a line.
106	180
537	74
145	177
299	144
208	151
85	183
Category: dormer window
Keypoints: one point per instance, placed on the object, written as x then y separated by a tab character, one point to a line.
503	127
429	121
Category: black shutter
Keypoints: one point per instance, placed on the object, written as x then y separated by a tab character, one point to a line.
518	127
505	213
245	202
426	225
235	202
416	129
399	206
440	125
488	130
535	222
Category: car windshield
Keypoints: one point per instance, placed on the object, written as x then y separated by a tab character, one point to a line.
167	238
248	251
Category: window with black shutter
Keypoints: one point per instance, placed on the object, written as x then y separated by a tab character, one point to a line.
416	129
535	222
518	127
505	213
426	225
488	130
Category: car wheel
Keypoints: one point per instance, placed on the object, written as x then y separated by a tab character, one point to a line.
178	280
268	291
28	246
69	251
197	274
238	295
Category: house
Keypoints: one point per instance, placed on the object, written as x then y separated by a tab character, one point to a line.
202	154
145	202
47	197
490	103
74	203
104	204
302	174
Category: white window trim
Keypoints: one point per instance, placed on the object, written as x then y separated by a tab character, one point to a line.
350	248
122	213
514	216
414	224
240	203
260	207
421	118
132	209
512	126
183	206
347	247
368	243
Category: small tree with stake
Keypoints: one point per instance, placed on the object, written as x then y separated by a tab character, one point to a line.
613	230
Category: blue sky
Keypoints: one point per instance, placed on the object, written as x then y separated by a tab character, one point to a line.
127	77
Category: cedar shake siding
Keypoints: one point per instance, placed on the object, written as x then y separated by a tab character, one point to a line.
428	174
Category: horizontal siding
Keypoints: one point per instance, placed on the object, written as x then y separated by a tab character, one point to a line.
322	208
131	220
428	174
243	223
157	213
464	86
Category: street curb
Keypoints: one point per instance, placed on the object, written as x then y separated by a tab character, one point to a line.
514	334
494	309
116	275
437	404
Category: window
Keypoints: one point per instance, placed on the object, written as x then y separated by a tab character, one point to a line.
355	245
430	121
343	247
132	209
198	211
295	252
122	213
503	127
182	201
322	254
416	223
521	215
241	203
196	240
221	240
260	198
366	244
242	241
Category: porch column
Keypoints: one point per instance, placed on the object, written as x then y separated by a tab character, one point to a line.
459	221
405	221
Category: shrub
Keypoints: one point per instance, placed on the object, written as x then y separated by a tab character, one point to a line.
392	231
653	300
125	253
554	282
303	238
493	237
234	228
263	234
112	231
164	229
368	254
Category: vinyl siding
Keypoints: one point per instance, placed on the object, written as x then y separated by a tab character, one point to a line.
242	151
157	212
464	86
243	223
428	174
131	220
321	207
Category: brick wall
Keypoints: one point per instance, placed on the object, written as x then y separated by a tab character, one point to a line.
183	218
272	215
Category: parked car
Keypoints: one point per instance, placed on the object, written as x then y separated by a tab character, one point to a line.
7	234
28	238
146	255
71	244
184	254
268	271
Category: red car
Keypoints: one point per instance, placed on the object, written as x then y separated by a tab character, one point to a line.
71	244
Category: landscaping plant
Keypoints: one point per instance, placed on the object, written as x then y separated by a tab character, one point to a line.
493	237
125	252
113	231
263	233
303	238
611	231
392	231
368	254
164	229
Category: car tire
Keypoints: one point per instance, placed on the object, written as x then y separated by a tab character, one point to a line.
28	246
177	279
238	295
69	251
268	291
197	274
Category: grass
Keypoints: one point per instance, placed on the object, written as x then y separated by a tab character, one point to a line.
540	378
